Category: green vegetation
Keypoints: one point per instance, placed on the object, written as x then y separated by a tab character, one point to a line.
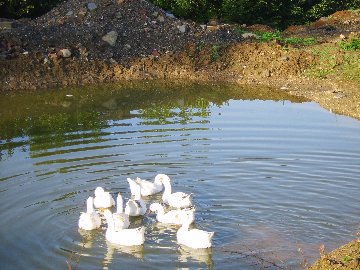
25	8
352	45
276	13
214	55
268	36
333	61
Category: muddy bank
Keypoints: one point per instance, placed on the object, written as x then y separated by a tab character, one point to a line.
242	63
90	42
346	257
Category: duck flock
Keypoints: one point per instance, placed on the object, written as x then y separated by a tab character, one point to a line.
118	232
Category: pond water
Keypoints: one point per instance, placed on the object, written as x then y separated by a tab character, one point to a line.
272	175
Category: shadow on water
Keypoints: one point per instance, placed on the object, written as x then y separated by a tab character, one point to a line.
27	117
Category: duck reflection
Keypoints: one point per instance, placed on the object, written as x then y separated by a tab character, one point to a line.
87	238
135	251
203	255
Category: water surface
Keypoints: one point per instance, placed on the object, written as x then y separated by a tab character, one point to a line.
274	176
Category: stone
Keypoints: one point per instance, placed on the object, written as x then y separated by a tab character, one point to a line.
249	35
70	13
170	15
91	6
161	18
64	53
182	28
213	22
82	12
6	25
110	38
156	53
118	15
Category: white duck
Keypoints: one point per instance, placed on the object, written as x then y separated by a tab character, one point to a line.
89	220
124	237
121	220
103	199
194	238
136	206
176	199
148	188
178	216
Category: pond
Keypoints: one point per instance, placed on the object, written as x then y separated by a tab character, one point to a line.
272	175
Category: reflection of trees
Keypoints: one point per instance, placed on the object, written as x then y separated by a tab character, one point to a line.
170	113
53	118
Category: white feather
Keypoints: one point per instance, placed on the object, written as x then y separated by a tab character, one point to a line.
89	220
194	238
103	199
178	216
124	237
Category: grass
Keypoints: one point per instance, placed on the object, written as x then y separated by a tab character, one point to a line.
332	60
214	53
351	45
268	36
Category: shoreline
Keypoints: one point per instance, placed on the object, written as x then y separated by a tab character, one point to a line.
249	63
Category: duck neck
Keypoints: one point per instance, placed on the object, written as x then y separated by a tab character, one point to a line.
110	222
185	226
160	211
90	205
167	187
119	203
157	180
137	192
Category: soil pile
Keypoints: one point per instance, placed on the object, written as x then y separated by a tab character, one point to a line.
108	30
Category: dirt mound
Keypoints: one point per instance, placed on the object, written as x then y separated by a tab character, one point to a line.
327	28
108	30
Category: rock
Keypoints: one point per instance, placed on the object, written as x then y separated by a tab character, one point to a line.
70	13
156	53
82	12
118	15
284	58
249	35
182	28
91	6
170	15
110	38
64	53
161	18
213	22
120	1
5	25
